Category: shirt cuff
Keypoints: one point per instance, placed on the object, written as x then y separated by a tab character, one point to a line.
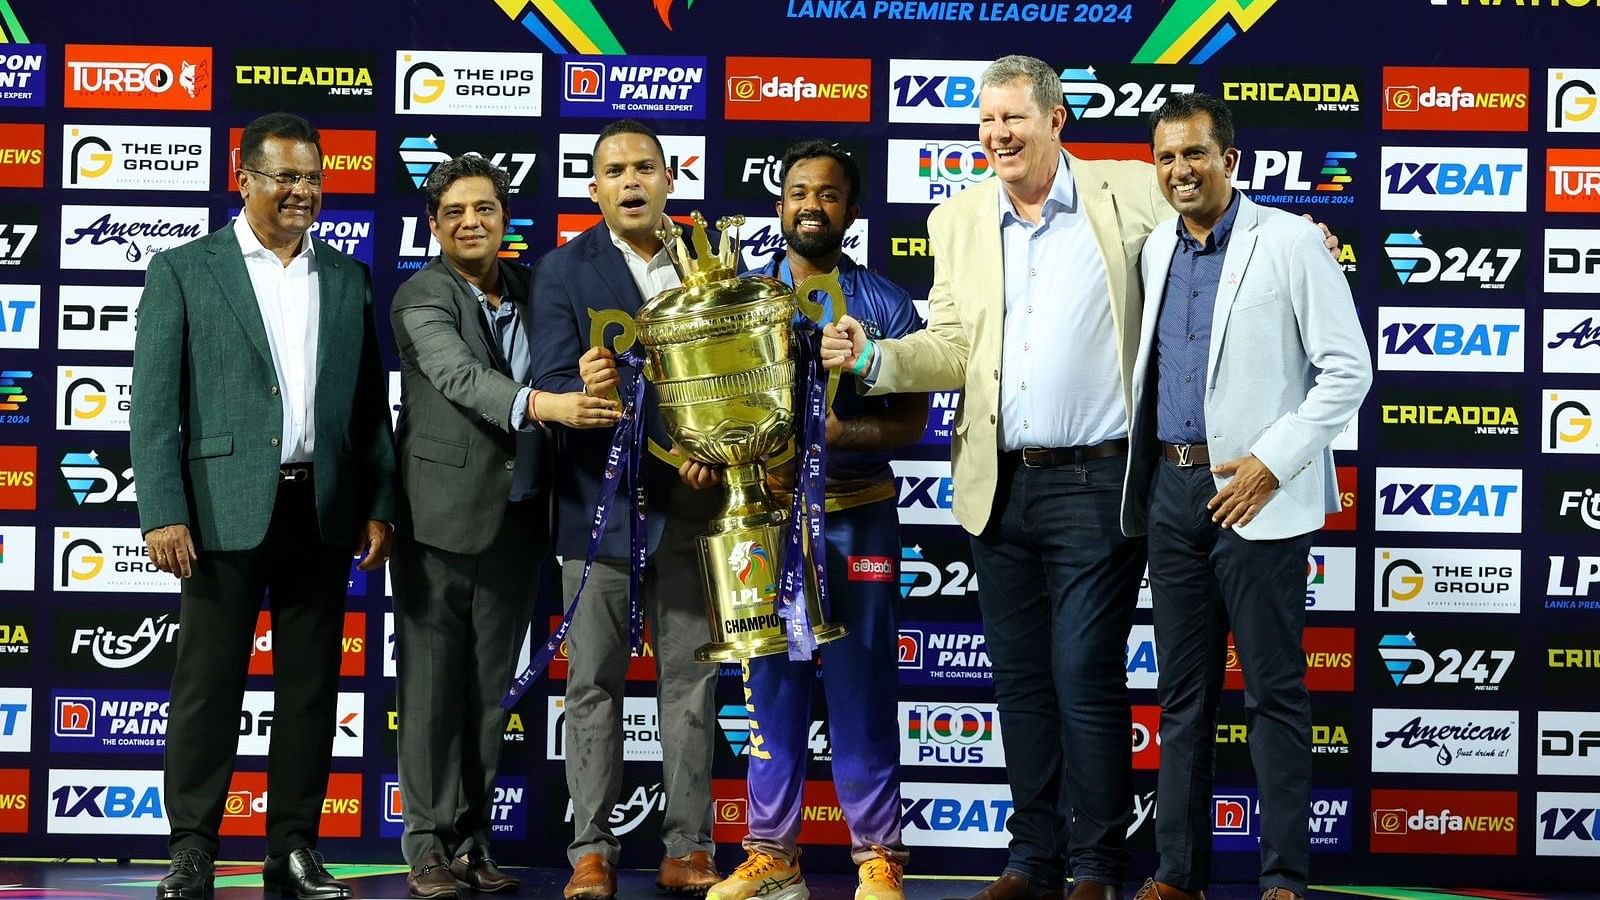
874	366
519	412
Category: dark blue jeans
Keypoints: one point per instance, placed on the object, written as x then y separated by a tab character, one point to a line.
1058	583
1205	580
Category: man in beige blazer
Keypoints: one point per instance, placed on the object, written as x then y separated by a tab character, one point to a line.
1034	314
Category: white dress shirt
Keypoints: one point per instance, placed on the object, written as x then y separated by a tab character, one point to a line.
290	303
1060	381
652	275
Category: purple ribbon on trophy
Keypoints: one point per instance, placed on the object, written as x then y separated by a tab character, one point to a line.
806	510
624	467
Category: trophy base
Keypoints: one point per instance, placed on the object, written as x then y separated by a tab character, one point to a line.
765	645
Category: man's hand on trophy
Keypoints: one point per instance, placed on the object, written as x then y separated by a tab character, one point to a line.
598	368
842	343
574	409
698	475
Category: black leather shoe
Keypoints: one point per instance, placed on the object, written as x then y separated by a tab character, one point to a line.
431	878
480	873
189	877
301	874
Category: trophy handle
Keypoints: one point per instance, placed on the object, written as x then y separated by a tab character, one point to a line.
600	321
827	282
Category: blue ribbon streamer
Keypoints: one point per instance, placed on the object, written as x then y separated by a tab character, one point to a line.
811	462
624	467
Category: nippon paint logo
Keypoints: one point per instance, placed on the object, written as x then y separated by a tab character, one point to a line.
654	87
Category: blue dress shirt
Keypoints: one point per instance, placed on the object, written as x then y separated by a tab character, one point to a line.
1183	331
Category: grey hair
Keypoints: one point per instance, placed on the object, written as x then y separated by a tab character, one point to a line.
1044	83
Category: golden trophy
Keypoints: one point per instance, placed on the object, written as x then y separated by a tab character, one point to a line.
719	352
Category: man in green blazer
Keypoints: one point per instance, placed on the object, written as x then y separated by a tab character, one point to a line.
261	434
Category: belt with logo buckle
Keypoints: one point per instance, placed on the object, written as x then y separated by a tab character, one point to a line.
1186	456
1050	457
294	472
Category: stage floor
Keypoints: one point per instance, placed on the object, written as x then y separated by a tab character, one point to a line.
90	881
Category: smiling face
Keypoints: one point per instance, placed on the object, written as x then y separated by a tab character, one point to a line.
815	210
1023	141
631	184
1195	174
469	224
281	215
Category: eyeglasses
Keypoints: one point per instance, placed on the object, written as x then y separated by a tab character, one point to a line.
313	180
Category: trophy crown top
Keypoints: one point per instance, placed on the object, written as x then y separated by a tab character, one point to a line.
705	265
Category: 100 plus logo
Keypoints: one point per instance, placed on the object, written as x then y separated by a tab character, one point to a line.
1424	339
935	734
1460	500
1454	179
1452	259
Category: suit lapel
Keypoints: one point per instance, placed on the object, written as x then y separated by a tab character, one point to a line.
337	318
988	246
1241	244
611	270
1104	220
227	266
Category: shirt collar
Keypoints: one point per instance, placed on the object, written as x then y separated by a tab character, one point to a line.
628	253
1063	193
250	245
1218	238
779	268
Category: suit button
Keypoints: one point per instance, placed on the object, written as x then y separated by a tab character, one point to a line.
274	390
274	442
992	419
996	374
510	464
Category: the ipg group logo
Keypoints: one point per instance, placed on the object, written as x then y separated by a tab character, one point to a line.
21	155
934	91
931	171
1571	260
641	729
93	398
1282	177
19	317
1454	179
454	83
22	75
1451	259
1568	824
1294	96
1568	422
1572	180
1097	95
1574	97
121	76
1482	823
1455	500
349	160
951	734
1421	98
798	89
101	801
1449	339
125	238
106	560
19	477
1428	580
648	87
136	157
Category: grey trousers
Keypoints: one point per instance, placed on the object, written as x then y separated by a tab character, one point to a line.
459	622
597	648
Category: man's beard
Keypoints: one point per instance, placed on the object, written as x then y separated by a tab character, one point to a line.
812	246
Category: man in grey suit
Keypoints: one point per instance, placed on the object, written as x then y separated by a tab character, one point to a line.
260	431
474	465
1251	360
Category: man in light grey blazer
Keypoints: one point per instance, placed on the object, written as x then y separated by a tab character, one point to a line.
474	465
1251	360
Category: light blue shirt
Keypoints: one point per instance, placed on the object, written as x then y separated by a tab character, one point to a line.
515	359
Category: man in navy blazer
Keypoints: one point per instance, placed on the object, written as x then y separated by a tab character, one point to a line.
618	265
1251	360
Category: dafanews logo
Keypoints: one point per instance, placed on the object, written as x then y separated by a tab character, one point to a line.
121	76
106	560
1445	659
1571	341
17	548
420	154
13	801
821	820
1140	658
1568	422
256	718
1449	339
349	160
924	492
1572	181
1569	823
754	170
931	171
19	477
1297	96
934	91
1331	579
1455	179
686	159
124	238
948	814
100	801
638	87
798	89
944	653
1119	95
452	83
1445	741
117	640
16	720
108	721
1478	823
1455	500
1571	260
1569	743
1451	259
19	317
1236	821
1571	502
1282	177
19	229
96	317
641	729
1574	587
1424	580
1446	99
1574	98
923	577
963	735
93	398
21	156
244	811
1436	419
1330	661
309	80
136	158
761	240
22	75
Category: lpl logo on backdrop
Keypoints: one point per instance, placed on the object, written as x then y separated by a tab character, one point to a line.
22	75
798	89
120	76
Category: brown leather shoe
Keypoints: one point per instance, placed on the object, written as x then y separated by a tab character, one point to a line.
430	878
1159	890
692	874
480	873
1092	890
1280	893
1011	886
592	878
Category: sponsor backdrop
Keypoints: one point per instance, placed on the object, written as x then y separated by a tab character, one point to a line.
1453	644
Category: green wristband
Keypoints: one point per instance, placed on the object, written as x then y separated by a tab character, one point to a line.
864	361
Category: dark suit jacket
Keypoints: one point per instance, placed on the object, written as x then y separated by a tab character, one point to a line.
206	414
456	447
588	273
